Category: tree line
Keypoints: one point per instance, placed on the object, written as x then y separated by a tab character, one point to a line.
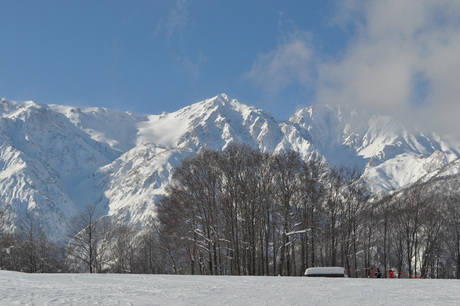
243	212
93	244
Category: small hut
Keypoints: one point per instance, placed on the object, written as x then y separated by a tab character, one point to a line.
325	272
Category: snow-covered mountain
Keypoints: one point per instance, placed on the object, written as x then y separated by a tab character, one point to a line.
56	159
390	154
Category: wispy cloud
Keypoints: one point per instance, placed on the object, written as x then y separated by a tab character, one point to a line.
175	26
177	21
192	67
286	64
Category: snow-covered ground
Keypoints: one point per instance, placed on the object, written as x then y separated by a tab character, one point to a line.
112	289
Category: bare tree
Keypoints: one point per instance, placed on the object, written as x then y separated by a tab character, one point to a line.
452	217
33	249
8	244
287	186
87	234
151	255
123	245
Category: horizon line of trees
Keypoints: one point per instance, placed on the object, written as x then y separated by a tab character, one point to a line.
243	212
94	245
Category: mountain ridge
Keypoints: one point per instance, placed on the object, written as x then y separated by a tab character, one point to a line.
56	159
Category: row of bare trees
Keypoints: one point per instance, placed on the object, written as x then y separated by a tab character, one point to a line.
243	212
94	245
28	249
418	230
97	245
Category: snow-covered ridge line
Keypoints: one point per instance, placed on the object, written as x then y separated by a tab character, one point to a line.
56	159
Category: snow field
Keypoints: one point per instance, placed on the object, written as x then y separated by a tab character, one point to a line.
115	289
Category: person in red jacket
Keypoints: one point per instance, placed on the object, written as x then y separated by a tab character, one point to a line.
391	273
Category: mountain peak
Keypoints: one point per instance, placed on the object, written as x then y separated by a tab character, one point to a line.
221	103
222	100
223	96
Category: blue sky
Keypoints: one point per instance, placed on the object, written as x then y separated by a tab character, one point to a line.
160	55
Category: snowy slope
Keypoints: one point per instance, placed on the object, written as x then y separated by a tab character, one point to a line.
113	128
390	154
44	159
136	180
56	159
212	123
118	289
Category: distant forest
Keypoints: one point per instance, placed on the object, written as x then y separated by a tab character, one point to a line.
243	212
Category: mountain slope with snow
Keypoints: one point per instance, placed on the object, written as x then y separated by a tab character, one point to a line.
56	159
390	154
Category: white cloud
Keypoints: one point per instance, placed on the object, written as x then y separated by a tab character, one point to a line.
192	68
177	21
403	58
397	42
175	27
288	63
